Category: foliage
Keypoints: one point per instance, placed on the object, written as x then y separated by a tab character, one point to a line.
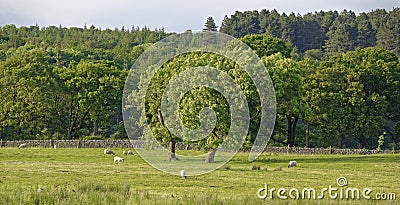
91	137
65	83
287	77
381	140
26	81
210	25
351	93
196	99
93	91
329	31
266	45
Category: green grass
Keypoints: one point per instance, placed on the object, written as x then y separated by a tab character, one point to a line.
87	176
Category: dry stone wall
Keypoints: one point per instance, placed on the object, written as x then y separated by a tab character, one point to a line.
179	146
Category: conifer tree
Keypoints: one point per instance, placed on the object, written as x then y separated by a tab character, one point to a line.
210	25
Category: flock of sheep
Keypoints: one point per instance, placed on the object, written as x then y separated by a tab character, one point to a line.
129	152
116	158
106	151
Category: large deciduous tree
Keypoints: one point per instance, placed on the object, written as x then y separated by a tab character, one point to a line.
26	82
287	77
91	91
355	93
196	99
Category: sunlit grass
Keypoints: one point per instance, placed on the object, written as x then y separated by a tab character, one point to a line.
87	176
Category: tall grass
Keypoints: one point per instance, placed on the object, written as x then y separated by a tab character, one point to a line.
87	176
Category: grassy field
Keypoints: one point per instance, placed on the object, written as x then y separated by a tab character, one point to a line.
87	176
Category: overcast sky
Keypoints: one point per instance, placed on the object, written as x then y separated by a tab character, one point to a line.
172	15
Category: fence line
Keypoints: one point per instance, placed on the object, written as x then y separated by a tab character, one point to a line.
179	146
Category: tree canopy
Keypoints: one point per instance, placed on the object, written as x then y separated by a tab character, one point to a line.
330	31
336	77
66	83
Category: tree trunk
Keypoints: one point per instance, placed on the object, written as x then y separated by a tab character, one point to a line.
307	133
95	128
210	156
340	141
69	133
171	153
362	141
289	129
72	127
291	122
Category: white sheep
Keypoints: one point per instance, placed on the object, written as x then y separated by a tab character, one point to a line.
55	146
130	152
183	173
123	152
108	151
292	164
21	146
118	159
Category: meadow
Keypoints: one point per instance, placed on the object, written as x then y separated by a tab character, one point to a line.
87	176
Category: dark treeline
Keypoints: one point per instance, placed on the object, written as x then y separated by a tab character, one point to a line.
66	44
66	83
328	31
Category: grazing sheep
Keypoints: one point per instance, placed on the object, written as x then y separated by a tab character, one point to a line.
21	146
123	152
118	159
108	151
130	152
183	173
291	164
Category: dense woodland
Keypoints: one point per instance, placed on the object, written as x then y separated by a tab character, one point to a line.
328	31
336	78
66	83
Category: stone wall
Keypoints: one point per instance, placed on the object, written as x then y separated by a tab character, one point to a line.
302	150
179	146
71	143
